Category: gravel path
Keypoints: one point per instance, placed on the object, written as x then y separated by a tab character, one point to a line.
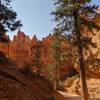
59	95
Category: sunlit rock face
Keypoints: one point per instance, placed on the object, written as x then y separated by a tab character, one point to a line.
20	47
73	86
96	39
46	50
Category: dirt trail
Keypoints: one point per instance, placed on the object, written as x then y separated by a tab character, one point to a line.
64	96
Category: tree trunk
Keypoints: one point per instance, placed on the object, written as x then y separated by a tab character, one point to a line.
81	59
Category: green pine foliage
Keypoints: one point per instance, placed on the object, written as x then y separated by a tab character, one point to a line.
66	16
54	68
8	17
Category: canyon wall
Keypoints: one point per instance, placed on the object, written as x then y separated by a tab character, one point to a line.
39	53
34	52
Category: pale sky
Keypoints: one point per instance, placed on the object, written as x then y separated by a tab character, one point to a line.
35	16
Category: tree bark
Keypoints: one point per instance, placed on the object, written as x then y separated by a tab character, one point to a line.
81	59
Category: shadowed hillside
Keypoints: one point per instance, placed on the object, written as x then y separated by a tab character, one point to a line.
21	84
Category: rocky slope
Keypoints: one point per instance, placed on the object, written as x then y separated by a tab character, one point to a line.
19	83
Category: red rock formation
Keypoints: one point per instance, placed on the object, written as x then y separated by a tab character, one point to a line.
27	51
32	51
4	45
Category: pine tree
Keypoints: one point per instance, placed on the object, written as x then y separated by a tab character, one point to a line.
36	60
8	18
52	71
56	56
72	16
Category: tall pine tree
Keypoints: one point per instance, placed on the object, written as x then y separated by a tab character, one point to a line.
8	18
72	16
56	55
